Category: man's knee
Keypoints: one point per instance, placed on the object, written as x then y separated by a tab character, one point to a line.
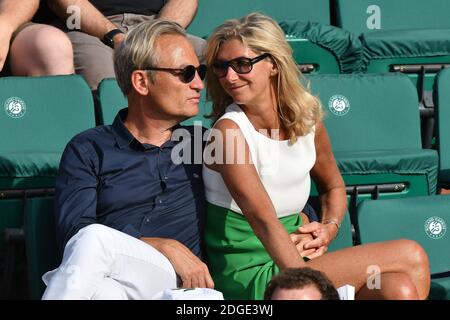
92	238
41	50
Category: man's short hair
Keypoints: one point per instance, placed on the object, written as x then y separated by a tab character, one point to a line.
137	50
298	278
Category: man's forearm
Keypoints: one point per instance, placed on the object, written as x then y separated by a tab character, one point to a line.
92	21
180	11
14	13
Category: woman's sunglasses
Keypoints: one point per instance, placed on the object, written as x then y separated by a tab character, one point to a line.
187	74
240	65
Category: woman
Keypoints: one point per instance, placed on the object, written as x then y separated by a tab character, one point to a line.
268	138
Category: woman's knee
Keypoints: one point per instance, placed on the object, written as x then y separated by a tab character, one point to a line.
41	50
413	254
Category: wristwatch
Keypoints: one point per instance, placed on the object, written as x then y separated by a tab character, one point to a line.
108	37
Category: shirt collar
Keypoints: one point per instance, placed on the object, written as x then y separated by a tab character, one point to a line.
121	133
124	137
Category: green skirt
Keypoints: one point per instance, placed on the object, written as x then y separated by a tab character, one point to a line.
237	260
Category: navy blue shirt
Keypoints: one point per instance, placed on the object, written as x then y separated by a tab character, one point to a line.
106	176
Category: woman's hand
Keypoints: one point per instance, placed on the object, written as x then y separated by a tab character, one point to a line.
300	240
323	234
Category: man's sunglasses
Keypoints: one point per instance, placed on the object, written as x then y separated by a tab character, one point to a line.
187	74
240	65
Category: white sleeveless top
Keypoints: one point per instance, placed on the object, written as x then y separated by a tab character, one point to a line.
282	167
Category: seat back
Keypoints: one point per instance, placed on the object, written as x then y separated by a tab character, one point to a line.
40	239
344	239
212	13
110	100
361	16
442	102
422	219
369	112
41	114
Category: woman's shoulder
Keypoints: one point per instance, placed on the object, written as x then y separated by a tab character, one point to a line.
233	117
232	111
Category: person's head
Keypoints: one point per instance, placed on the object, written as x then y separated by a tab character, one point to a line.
231	77
155	44
300	284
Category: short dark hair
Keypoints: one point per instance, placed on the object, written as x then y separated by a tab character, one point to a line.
297	278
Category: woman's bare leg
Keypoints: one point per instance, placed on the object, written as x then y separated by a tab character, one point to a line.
403	266
396	286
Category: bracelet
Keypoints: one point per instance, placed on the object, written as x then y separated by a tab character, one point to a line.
333	221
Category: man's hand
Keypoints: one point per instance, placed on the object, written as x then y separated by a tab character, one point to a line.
192	271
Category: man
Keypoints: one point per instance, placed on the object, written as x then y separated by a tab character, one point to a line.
103	24
129	218
31	49
301	284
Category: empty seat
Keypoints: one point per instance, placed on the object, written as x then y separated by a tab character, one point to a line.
422	219
110	100
442	98
373	124
320	48
39	116
362	16
306	22
408	36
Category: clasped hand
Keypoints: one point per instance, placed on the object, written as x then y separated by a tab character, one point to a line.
312	239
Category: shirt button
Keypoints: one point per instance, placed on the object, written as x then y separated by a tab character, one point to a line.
147	220
165	178
160	201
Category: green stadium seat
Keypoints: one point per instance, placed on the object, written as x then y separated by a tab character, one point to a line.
304	22
362	16
408	36
41	247
422	219
110	100
39	117
212	13
323	49
442	102
344	239
373	124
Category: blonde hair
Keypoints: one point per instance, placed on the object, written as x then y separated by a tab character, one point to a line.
138	50
298	109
